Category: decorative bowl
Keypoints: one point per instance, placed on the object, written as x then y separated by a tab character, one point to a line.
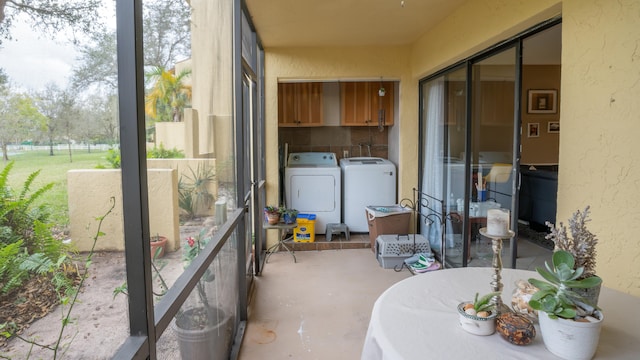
477	325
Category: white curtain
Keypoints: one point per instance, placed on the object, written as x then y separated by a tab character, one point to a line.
432	152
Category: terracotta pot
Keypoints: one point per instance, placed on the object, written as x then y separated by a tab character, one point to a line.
158	242
272	218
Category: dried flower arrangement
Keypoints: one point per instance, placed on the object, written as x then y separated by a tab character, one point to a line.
581	244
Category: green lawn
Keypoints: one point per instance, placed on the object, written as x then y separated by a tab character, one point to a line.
52	169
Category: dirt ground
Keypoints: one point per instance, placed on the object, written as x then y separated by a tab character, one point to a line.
99	321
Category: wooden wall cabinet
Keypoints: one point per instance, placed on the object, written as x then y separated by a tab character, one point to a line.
300	104
361	105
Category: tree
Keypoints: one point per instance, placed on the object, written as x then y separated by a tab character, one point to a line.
169	95
167	32
50	17
166	39
17	118
98	64
56	106
99	123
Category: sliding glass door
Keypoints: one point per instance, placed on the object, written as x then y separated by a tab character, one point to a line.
469	138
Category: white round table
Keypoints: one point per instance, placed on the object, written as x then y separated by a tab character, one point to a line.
417	319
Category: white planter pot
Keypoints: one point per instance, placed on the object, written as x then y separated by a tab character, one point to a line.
477	325
568	339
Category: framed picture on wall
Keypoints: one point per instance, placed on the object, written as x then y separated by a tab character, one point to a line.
553	127
533	130
543	102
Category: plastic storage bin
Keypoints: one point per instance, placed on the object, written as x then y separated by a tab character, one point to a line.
392	250
383	220
305	231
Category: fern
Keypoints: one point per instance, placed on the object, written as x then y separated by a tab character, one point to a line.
11	275
17	211
37	264
44	242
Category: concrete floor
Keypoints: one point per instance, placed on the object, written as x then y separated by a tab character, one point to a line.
319	308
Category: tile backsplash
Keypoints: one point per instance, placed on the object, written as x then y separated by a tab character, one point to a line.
356	141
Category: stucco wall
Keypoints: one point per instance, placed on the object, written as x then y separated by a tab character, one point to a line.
599	108
600	116
89	194
211	58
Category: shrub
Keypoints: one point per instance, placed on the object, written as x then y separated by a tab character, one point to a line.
113	158
162	153
18	215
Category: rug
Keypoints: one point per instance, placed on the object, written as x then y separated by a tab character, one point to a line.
536	237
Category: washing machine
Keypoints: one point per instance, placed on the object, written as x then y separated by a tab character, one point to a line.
365	181
313	185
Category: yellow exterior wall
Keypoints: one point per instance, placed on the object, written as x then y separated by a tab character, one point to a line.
599	108
475	26
600	115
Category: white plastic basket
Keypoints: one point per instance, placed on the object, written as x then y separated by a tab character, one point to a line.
400	245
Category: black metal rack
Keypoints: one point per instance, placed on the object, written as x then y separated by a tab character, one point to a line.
422	201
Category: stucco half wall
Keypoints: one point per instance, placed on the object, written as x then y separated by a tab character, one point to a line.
89	194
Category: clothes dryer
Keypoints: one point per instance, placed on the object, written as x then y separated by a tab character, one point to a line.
367	181
313	185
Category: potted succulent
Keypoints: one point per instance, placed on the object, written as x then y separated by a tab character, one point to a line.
582	245
479	317
272	214
570	326
289	216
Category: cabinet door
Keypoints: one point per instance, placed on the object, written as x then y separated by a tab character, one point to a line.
286	104
300	104
361	105
354	103
310	104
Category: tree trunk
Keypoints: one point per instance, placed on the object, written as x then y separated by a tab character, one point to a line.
5	154
69	147
50	147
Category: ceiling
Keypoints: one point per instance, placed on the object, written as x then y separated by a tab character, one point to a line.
317	23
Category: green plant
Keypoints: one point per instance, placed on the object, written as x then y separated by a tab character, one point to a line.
289	215
272	209
113	158
11	275
18	213
481	306
64	285
290	212
159	152
555	296
193	191
169	95
484	303
581	244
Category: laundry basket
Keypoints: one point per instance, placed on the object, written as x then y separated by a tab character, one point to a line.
393	219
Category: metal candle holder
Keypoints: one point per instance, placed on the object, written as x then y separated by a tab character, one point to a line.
496	284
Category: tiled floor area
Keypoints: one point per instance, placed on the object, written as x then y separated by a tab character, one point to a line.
319	307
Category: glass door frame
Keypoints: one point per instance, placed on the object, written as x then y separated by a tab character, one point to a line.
515	42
